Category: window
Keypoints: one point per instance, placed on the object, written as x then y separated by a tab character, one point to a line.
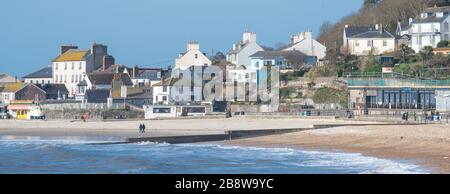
56	66
196	56
181	90
369	43
164	88
356	43
156	99
257	64
43	82
79	66
446	37
158	75
60	79
31	81
65	66
73	78
164	98
446	27
384	43
56	78
161	110
73	65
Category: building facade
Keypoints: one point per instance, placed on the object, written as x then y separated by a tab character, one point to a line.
240	54
72	65
363	41
431	27
192	57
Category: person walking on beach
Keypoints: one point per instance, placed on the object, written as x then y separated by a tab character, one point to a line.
140	128
143	128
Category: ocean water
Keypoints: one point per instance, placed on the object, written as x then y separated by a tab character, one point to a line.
76	155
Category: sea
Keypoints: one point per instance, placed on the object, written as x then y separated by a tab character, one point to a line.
81	155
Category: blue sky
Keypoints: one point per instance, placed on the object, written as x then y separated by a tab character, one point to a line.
150	32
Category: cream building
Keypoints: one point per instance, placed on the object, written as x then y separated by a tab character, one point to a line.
72	65
192	57
362	41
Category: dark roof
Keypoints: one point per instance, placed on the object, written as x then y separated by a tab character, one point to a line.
150	74
45	72
98	95
54	88
275	54
355	30
432	15
374	34
107	78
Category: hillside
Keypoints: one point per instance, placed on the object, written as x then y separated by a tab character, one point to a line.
385	12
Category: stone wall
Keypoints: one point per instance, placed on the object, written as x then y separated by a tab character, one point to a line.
94	114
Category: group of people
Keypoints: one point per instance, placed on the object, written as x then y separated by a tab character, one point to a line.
142	128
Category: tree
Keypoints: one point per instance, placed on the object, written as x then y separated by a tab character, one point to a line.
406	51
425	54
443	44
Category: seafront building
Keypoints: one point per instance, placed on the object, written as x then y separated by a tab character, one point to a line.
72	65
372	93
365	40
239	54
5	78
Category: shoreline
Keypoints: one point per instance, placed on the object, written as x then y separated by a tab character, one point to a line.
429	145
431	153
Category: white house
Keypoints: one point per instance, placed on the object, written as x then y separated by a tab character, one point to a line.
431	27
42	76
73	64
101	81
5	78
176	91
240	54
192	57
363	40
305	43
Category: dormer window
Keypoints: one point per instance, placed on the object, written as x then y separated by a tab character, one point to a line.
440	14
424	15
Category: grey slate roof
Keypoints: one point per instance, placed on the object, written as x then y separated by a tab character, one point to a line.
239	46
274	54
150	74
45	72
432	18
54	88
374	34
355	30
107	78
98	95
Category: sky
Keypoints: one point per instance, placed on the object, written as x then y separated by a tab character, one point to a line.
150	32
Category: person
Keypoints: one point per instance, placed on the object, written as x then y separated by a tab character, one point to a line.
143	128
415	116
140	128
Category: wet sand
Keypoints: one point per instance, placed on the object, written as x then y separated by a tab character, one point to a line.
428	145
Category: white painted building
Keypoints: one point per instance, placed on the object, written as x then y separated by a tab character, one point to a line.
240	54
192	57
305	43
431	27
362	41
176	91
72	65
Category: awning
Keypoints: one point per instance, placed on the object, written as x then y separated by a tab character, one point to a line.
19	107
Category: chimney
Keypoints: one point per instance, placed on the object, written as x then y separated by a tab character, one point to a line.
108	61
193	45
249	37
134	71
377	27
66	48
410	21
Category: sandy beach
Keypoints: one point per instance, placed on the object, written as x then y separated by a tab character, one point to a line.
428	145
155	128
